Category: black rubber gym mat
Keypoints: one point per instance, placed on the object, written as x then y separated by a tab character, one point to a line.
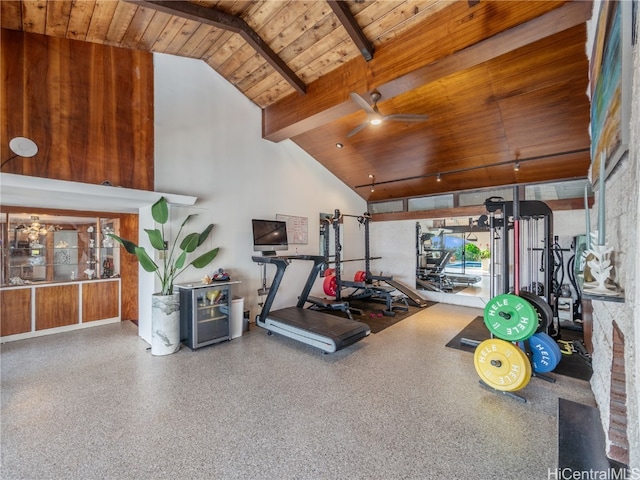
372	314
581	443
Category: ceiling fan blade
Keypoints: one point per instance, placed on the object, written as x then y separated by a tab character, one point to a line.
407	117
357	129
362	103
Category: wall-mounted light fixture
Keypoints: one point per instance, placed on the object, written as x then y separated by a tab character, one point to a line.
22	147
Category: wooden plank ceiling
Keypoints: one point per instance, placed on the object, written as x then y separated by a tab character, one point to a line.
500	81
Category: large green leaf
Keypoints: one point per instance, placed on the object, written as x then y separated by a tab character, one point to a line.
205	234
145	260
155	237
190	242
180	261
187	219
205	259
127	244
160	211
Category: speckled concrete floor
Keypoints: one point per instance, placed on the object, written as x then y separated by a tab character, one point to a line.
95	404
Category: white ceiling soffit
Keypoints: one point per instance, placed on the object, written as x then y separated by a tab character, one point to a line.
37	192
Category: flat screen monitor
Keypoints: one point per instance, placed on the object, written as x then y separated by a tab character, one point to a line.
269	236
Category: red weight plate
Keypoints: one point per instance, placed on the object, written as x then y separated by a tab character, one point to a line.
330	285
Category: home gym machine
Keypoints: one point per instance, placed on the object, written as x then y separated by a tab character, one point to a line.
518	320
322	330
362	284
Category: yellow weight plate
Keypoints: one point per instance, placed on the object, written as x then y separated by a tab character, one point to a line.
502	365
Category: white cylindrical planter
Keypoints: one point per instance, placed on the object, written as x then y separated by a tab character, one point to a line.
165	324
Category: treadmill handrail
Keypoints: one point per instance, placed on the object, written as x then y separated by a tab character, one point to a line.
281	263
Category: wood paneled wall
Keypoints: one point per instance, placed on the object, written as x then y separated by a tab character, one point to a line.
88	107
129	269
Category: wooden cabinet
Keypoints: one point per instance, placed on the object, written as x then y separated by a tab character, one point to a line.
56	306
100	300
16	311
37	309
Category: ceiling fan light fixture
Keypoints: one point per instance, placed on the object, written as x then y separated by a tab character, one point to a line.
375	120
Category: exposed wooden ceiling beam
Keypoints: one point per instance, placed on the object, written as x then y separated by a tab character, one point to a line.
218	19
327	98
341	10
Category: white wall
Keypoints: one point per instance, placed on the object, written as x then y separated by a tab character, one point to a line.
208	144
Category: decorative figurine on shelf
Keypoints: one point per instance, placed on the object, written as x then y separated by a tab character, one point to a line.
107	268
107	241
206	280
220	275
597	277
89	273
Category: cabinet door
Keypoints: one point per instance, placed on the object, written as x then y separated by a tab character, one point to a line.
65	255
211	315
16	311
57	306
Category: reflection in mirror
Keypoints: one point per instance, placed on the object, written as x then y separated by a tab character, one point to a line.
453	256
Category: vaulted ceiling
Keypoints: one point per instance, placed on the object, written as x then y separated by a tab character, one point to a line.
500	81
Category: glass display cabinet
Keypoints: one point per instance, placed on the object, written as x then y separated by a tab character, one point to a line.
56	248
57	272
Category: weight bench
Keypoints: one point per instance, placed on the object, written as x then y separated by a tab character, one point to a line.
318	303
379	294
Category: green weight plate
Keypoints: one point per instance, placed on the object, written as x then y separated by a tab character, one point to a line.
510	317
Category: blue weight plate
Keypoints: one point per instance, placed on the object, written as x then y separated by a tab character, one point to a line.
544	356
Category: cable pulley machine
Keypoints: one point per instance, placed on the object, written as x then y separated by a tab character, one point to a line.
520	347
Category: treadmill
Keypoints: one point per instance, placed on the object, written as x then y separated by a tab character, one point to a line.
322	330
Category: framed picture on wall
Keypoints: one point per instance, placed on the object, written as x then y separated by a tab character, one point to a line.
610	82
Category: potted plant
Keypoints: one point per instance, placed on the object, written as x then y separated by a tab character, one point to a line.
485	256
165	321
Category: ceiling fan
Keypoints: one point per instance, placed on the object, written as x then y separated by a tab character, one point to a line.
374	117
